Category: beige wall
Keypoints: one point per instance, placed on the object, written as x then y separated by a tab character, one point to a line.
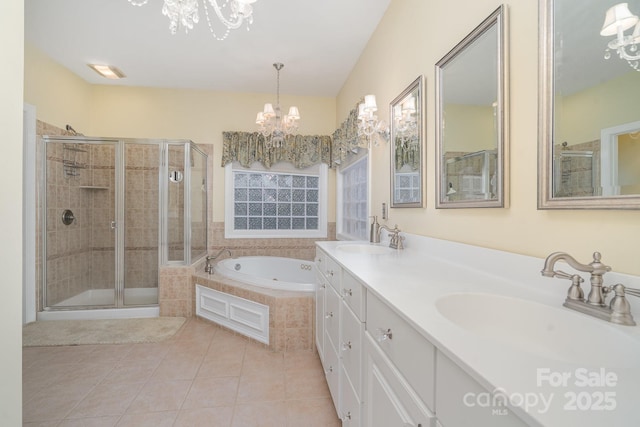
584	114
60	96
11	80
137	112
390	63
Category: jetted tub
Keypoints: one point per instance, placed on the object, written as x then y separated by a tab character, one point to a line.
287	274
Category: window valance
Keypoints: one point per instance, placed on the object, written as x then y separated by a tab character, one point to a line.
300	150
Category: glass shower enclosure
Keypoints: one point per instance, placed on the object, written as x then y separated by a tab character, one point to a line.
113	212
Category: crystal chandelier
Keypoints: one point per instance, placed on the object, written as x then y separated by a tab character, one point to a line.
232	13
404	118
368	123
617	20
272	125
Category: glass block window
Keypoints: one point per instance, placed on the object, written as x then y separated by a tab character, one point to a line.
407	187
281	204
353	200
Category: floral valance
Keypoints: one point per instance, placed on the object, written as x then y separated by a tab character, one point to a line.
300	150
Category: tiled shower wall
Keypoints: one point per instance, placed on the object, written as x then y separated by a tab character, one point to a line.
578	176
141	215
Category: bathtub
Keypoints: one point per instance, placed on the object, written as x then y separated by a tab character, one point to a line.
287	274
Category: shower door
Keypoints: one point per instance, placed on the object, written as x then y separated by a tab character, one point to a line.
102	220
141	222
80	256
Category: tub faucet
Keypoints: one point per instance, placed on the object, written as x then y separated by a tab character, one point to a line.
618	311
209	266
395	240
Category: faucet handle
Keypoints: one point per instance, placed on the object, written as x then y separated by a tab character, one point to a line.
597	265
620	308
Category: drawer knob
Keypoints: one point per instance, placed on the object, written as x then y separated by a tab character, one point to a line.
323	286
330	273
347	416
384	334
328	315
346	345
347	292
329	370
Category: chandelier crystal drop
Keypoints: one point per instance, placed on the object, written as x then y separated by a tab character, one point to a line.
231	13
272	124
619	19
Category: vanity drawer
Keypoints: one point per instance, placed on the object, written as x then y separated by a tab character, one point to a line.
332	316
412	354
388	399
354	294
329	268
351	346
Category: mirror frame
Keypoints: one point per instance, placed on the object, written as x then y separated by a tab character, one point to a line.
546	200
498	19
417	84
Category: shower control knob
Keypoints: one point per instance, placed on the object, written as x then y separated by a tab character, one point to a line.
68	217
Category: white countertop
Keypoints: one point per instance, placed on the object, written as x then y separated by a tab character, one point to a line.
413	279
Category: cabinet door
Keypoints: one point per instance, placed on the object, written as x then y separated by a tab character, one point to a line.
331	365
351	333
388	399
455	399
320	295
350	405
332	316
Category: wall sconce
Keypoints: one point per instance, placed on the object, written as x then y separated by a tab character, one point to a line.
368	123
617	20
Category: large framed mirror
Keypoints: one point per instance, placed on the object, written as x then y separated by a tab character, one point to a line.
472	119
589	133
407	147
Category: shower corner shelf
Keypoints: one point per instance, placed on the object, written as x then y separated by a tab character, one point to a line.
93	187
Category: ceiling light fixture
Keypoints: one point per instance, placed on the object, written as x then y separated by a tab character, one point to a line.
107	71
232	13
617	20
368	123
272	125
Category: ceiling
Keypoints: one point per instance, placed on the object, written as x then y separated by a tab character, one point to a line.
318	41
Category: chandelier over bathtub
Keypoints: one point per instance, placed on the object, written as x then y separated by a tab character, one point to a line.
231	13
272	125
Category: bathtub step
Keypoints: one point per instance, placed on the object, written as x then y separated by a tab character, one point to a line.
238	314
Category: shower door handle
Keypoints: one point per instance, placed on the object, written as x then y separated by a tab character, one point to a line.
114	225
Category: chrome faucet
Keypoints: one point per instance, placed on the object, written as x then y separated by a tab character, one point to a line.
208	268
395	240
618	311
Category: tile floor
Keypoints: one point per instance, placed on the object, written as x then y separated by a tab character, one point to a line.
203	376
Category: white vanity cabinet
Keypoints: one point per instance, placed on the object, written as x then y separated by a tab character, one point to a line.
340	300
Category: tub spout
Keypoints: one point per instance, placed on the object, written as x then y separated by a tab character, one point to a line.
209	266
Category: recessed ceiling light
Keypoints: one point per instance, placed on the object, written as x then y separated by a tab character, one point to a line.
108	71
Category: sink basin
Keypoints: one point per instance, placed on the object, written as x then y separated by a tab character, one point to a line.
363	248
541	330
